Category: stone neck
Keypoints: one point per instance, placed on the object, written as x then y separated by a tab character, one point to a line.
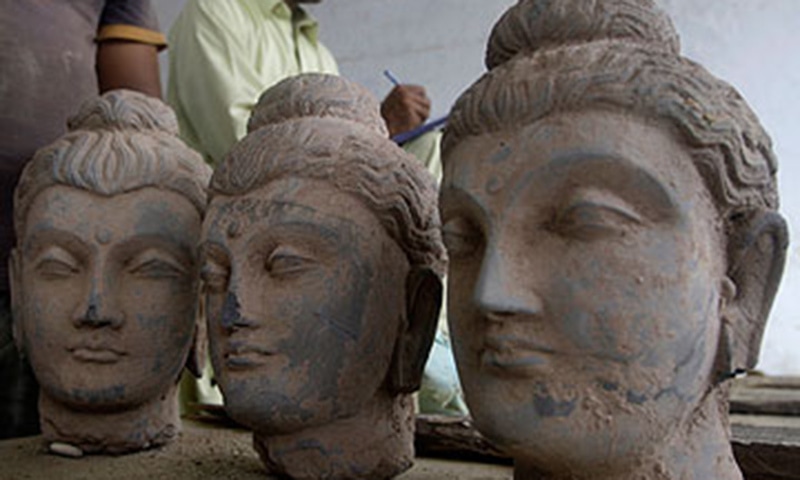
377	443
699	450
146	426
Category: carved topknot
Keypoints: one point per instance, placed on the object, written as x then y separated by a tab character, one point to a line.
318	95
533	25
125	110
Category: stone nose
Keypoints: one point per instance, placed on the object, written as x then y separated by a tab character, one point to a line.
99	307
503	292
231	316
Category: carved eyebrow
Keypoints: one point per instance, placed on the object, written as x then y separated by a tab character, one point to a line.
47	237
319	234
609	172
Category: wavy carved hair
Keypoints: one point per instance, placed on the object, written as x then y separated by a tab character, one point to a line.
620	55
330	129
119	142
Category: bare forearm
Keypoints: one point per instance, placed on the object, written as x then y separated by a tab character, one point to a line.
131	65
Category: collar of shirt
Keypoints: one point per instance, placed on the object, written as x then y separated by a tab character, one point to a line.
302	21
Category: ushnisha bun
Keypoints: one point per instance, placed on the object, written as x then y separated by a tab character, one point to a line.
320	96
530	26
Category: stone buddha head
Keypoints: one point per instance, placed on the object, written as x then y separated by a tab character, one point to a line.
104	282
609	210
322	277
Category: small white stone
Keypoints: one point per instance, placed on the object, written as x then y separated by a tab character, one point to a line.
66	450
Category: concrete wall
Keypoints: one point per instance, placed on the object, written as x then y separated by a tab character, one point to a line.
750	43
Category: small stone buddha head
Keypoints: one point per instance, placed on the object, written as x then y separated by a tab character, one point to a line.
609	209
103	278
322	271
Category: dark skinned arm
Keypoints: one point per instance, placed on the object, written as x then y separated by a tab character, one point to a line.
131	65
405	108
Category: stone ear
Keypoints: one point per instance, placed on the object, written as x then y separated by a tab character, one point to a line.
14	271
196	361
423	302
756	257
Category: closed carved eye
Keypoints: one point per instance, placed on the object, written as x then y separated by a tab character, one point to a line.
461	237
595	217
57	263
286	261
153	264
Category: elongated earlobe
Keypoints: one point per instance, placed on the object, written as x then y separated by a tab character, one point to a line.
423	302
756	256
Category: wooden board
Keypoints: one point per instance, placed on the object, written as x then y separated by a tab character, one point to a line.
767	447
766	395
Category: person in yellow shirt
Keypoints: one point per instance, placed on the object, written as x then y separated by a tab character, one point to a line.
224	54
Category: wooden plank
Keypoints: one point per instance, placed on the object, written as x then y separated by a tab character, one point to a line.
766	395
767	447
454	437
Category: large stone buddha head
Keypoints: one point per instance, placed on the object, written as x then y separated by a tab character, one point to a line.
103	277
322	267
609	209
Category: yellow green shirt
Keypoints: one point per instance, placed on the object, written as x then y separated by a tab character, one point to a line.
224	54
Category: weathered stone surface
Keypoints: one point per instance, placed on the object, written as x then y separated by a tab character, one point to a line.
322	271
610	213
103	279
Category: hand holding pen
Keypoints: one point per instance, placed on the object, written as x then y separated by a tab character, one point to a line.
405	108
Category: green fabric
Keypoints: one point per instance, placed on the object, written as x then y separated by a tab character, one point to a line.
224	54
440	392
427	149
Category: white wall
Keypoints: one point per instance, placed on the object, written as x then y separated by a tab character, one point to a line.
752	44
438	44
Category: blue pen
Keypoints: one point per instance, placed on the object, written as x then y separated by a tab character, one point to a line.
404	137
392	78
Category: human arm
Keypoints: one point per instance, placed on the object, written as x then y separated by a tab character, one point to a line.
128	42
125	64
405	108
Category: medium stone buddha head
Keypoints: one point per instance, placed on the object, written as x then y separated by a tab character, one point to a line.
609	209
103	277
322	272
